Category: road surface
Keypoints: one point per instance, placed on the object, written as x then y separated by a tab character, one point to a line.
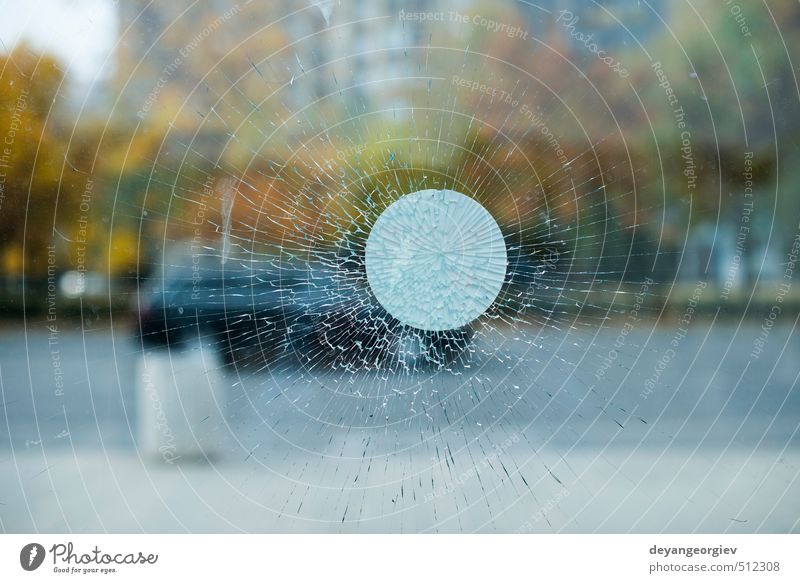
565	430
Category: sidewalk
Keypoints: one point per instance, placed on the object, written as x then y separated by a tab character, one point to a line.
115	491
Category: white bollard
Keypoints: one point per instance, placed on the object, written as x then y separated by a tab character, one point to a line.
181	399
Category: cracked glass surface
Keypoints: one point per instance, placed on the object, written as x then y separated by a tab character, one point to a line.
257	321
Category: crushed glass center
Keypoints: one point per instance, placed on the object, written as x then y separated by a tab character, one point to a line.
436	259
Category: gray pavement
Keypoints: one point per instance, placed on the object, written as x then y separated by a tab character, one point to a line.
545	432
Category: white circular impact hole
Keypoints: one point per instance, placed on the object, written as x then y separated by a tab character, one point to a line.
436	259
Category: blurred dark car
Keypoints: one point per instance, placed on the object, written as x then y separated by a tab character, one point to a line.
259	311
240	309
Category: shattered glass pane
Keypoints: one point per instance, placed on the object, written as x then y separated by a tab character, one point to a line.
402	267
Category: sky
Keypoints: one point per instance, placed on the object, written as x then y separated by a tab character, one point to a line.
81	33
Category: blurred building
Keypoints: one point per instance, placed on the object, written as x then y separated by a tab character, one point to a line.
169	50
613	24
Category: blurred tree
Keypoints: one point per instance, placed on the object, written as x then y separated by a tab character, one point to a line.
31	153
